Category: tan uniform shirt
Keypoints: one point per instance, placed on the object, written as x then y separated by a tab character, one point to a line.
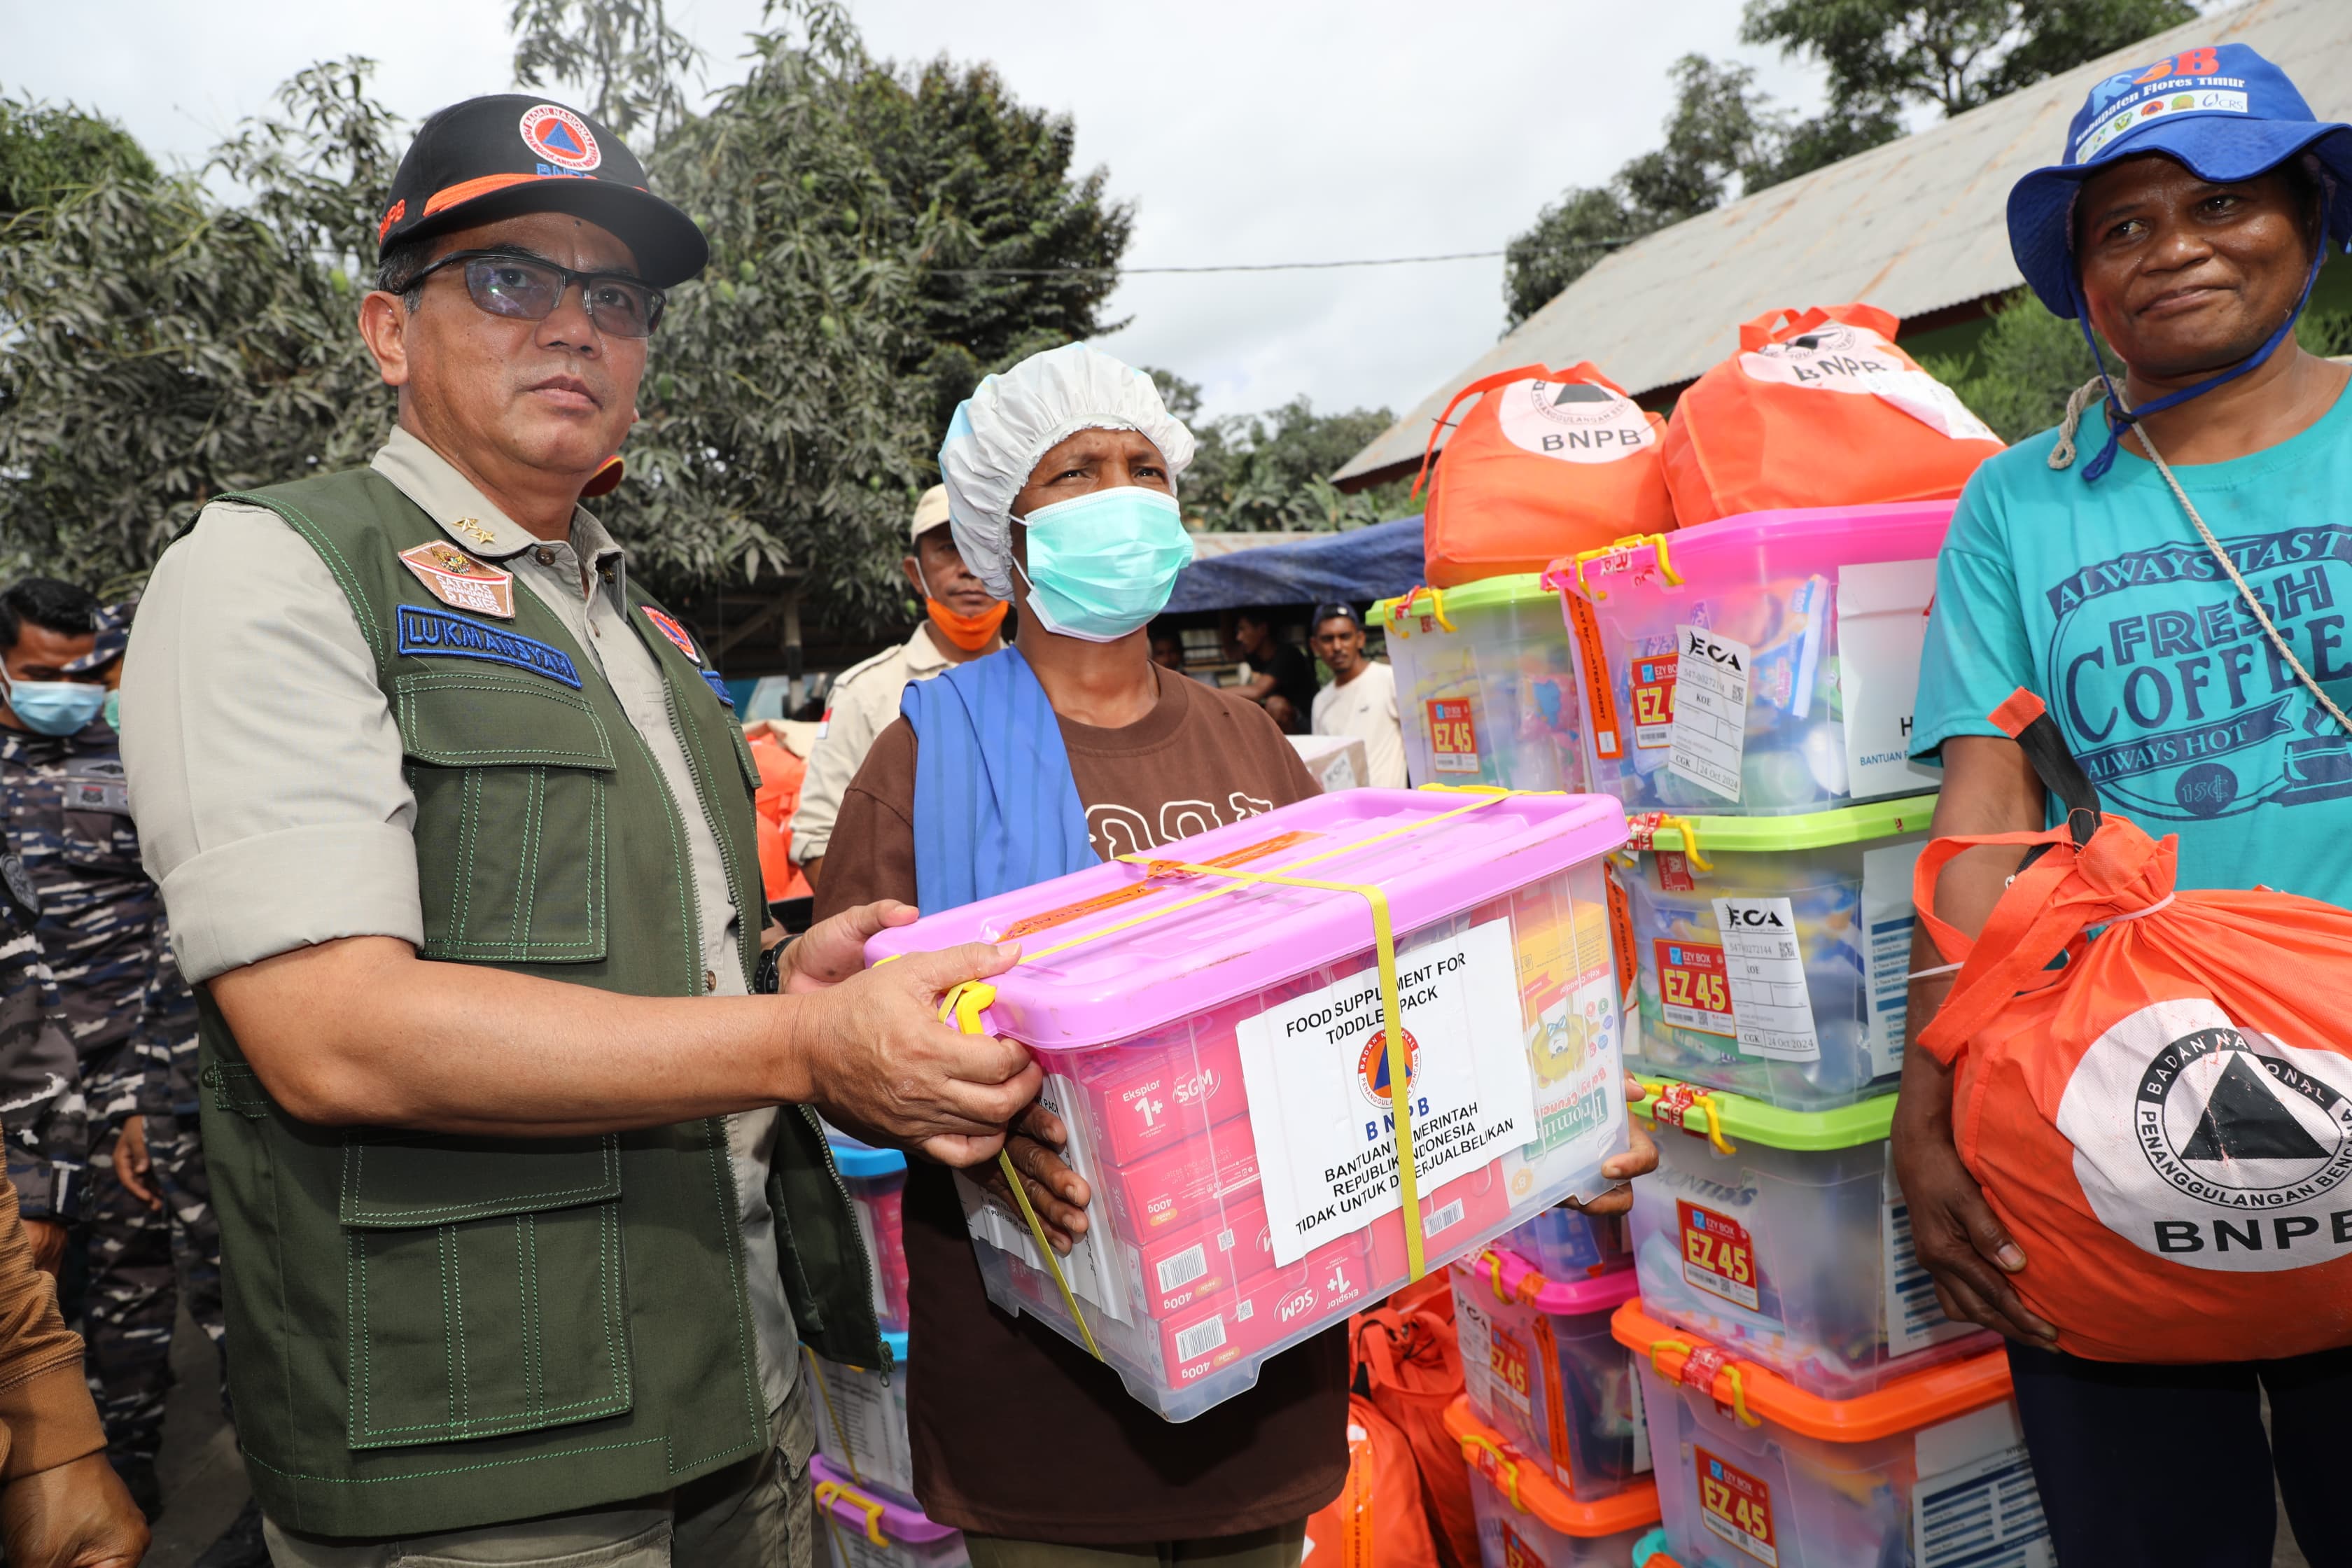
1365	707
863	703
266	767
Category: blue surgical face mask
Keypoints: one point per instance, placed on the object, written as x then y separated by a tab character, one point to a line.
1102	565
114	712
53	707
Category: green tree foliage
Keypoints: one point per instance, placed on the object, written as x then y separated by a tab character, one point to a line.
1265	472
165	348
629	66
1885	56
48	152
1726	138
1722	138
1014	250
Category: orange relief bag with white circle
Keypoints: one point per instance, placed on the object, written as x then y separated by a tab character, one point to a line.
1547	463
1818	408
2164	1122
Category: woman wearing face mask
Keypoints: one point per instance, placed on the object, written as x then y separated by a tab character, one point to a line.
1009	770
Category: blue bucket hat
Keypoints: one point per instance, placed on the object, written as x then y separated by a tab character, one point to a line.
2222	110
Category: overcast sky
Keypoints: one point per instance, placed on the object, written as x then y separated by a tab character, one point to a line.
1245	130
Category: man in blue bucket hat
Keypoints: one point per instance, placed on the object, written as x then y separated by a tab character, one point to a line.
2178	597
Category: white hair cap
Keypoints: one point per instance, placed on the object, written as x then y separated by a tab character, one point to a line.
1012	420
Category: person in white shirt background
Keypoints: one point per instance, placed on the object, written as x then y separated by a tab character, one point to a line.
1361	698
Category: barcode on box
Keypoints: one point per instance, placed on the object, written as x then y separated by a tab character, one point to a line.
1184	1268
1201	1338
1446	1219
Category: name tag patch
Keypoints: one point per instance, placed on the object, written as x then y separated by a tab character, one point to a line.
110	795
438	633
669	627
456	578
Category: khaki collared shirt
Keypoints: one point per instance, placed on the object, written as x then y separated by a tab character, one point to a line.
863	703
265	768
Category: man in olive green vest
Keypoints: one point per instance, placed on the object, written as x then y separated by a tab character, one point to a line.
455	826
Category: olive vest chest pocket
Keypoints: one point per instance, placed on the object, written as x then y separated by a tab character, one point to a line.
510	775
486	1286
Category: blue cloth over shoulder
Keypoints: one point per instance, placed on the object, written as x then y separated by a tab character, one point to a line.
996	807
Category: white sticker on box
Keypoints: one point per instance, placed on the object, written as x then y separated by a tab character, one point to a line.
1881	627
1974	1502
1764	965
1641	1422
1316	1072
1477	1341
1709	731
1887	919
1913	1318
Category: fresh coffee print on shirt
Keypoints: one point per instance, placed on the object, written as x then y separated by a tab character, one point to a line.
1118	829
2175	702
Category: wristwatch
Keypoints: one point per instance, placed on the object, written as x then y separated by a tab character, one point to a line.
768	975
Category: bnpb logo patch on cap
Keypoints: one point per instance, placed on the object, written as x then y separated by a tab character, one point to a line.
553	133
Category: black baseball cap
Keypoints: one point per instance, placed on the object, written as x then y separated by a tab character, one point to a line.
510	154
1327	612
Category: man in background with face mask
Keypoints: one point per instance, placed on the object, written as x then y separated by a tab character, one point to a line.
68	819
961	622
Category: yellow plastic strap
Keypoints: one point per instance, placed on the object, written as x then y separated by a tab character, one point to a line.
963	1007
1689	830
1400	610
1683	1348
830	1492
1400	1091
1506	1464
831	1414
1657	541
1655	1091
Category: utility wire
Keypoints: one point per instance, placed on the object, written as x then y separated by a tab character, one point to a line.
1254	266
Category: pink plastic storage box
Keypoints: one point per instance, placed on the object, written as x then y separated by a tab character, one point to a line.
1219	1052
1757	665
1540	1367
865	1528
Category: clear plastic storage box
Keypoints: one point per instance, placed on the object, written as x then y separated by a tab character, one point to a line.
876	1180
1539	1366
1220	1054
1486	687
1929	1472
1526	1521
1760	664
1568	1244
863	1529
1793	1248
861	1420
1772	953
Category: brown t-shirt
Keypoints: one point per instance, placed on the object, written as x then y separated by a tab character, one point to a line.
1016	1431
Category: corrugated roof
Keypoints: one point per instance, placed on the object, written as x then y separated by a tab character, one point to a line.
1913	226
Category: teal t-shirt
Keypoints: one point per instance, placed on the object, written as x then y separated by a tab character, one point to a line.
2101	600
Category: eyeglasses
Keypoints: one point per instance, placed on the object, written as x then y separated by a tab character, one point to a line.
529	290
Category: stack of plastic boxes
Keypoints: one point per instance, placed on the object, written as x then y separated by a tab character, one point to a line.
1748	690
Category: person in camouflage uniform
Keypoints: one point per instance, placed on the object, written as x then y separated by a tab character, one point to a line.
66	812
40	1081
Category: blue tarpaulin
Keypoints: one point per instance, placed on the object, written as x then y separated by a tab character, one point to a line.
1363	564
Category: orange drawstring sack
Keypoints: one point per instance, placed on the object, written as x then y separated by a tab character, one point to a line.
1377	1521
1549	463
1410	1364
1818	408
779	796
2163	1121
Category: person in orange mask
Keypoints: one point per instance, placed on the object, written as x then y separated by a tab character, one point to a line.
962	620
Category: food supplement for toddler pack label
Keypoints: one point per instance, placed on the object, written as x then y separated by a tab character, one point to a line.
1887	923
1974	1505
1694	989
1882	625
1453	735
1317	1070
1771	1010
1718	1255
1506	1359
1735	1505
1707	735
1654	702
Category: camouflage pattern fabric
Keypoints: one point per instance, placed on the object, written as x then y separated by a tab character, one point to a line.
167	1103
41	1103
66	813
